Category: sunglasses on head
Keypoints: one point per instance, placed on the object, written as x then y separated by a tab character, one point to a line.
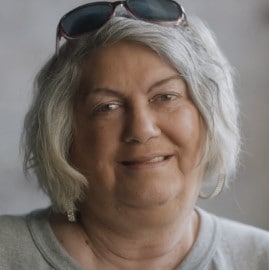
90	17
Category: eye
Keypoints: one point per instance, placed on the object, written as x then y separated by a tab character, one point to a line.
106	107
166	97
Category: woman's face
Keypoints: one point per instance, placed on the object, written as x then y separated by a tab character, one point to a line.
137	134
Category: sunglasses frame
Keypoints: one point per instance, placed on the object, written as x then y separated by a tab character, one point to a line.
182	20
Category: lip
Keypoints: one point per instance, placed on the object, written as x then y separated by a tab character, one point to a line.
149	161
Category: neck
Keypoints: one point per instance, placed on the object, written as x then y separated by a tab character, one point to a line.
158	248
96	246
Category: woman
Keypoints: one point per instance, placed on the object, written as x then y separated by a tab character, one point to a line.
131	118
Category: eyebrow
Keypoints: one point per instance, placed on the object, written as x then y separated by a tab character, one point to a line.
166	80
103	90
116	93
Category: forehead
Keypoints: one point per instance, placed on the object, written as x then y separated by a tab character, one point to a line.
124	61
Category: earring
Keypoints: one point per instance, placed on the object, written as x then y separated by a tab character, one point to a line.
219	187
70	212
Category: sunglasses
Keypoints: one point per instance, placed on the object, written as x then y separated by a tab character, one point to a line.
90	17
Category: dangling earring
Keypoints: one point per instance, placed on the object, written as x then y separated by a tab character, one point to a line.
219	187
70	212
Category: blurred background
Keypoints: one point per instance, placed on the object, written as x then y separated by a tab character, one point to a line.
27	30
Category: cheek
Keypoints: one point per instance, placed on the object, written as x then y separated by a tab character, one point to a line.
93	145
187	128
187	133
90	155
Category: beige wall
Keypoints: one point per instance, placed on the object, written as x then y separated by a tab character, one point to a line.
27	30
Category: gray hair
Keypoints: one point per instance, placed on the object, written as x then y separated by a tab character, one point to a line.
191	49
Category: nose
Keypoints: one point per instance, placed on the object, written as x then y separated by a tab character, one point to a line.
141	126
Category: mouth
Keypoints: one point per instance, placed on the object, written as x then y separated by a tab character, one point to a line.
149	161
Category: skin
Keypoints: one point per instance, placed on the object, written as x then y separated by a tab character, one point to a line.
137	139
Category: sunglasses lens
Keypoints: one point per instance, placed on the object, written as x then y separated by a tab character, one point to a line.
86	19
155	10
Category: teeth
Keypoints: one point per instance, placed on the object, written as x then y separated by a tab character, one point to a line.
156	159
153	160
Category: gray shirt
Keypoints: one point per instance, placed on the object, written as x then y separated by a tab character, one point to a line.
27	242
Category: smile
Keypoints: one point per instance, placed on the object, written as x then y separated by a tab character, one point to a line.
145	162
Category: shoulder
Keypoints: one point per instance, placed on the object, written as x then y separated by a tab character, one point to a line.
14	239
233	233
232	245
12	228
242	245
17	247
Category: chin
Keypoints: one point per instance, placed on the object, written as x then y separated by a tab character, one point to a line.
150	199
